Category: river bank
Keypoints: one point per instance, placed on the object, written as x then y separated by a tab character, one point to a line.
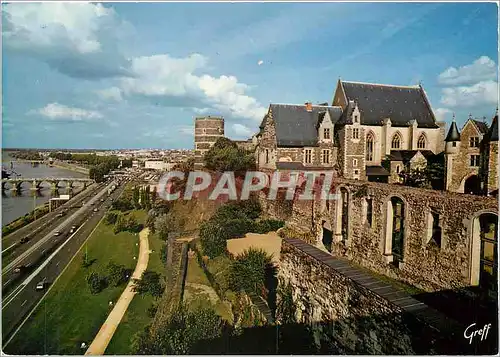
71	167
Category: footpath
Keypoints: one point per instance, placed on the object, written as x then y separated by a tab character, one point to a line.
103	337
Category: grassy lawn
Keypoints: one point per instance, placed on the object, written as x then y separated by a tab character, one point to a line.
136	318
70	314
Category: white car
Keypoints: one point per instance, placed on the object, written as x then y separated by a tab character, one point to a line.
41	285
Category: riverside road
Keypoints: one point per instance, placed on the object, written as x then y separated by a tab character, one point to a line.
23	299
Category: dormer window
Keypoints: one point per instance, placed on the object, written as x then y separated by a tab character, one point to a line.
326	133
356	118
474	142
355	133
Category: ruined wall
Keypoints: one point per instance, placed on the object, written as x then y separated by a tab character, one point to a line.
492	167
348	317
426	265
206	132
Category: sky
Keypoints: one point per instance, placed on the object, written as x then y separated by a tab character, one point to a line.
132	75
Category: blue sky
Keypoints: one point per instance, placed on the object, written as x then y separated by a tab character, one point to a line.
130	75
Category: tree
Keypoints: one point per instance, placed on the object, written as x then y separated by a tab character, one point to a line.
185	331
213	238
111	218
225	155
96	283
149	283
248	271
117	274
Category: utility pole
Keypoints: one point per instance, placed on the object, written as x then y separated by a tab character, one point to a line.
34	206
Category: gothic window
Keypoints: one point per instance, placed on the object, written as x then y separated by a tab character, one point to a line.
369	147
354	162
356	118
474	142
326	156
308	156
326	133
421	142
355	133
396	141
454	144
267	156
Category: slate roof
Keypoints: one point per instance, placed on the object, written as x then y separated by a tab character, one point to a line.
296	127
453	133
376	171
481	126
493	133
407	155
377	102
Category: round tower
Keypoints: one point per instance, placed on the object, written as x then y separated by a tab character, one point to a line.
206	132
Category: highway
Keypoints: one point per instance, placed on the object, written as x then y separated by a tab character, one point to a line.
49	258
11	243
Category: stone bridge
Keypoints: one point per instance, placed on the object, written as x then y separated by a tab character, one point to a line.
16	183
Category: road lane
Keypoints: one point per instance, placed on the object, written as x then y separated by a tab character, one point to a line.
13	314
65	224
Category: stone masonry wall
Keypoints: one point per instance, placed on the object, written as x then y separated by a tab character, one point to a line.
348	317
426	265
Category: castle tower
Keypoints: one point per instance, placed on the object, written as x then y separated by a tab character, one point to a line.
206	132
452	148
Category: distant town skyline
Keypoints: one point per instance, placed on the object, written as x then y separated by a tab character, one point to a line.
134	75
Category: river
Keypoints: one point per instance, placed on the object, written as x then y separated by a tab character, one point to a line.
17	205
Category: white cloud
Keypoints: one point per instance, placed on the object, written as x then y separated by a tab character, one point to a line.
112	93
442	113
242	130
186	130
77	39
482	69
482	93
56	111
176	82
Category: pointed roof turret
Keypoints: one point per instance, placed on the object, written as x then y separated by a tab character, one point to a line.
453	133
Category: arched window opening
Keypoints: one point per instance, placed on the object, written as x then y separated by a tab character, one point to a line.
398	228
421	143
396	141
369	147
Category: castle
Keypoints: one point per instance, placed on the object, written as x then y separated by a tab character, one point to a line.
374	132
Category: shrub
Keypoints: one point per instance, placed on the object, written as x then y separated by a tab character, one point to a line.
117	274
164	253
236	228
111	218
213	239
96	282
148	284
152	310
248	271
267	225
184	332
122	205
225	155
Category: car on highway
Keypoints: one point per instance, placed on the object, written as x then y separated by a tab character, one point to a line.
25	239
57	233
19	269
41	285
73	229
102	199
91	203
95	210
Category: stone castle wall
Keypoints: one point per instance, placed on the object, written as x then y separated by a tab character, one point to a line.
351	312
426	265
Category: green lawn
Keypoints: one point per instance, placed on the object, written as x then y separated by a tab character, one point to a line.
70	314
136	317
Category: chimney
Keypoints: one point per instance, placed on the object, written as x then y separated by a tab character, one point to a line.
309	106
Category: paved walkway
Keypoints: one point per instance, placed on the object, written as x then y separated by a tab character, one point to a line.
103	337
